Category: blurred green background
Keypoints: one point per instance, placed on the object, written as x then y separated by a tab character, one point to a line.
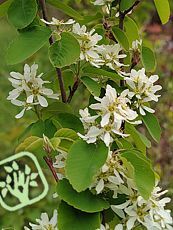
160	37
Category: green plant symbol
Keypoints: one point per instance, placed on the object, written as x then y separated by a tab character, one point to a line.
19	182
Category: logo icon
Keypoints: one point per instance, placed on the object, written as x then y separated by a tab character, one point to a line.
22	181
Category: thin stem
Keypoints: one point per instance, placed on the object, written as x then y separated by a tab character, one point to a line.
58	70
75	85
121	24
49	162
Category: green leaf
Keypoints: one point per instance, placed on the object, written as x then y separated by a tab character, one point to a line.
84	201
21	13
152	124
55	108
4	7
65	51
73	219
91	85
138	140
65	9
101	72
131	29
148	59
121	38
67	134
83	162
30	144
67	120
29	42
143	174
125	5
163	9
67	137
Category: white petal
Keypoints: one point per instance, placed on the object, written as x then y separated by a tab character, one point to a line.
130	223
53	220
100	186
20	114
42	101
30	99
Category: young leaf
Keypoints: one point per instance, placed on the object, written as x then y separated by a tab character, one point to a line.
84	201
70	218
4	7
65	9
67	134
91	85
83	162
152	124
131	30
65	51
143	174
22	12
29	42
163	9
67	137
121	38
125	5
148	59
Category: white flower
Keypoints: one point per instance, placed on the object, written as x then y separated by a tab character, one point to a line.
112	105
88	43
111	175
92	134
44	223
110	54
31	87
57	22
143	89
26	106
136	44
86	117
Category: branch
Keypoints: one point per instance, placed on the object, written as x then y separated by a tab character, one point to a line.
73	90
58	70
123	14
49	162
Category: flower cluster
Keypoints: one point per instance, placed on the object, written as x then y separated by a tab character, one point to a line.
31	89
142	90
88	43
44	223
112	110
135	210
149	213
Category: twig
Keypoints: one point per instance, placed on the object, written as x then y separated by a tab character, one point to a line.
58	70
75	85
49	162
73	90
121	25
